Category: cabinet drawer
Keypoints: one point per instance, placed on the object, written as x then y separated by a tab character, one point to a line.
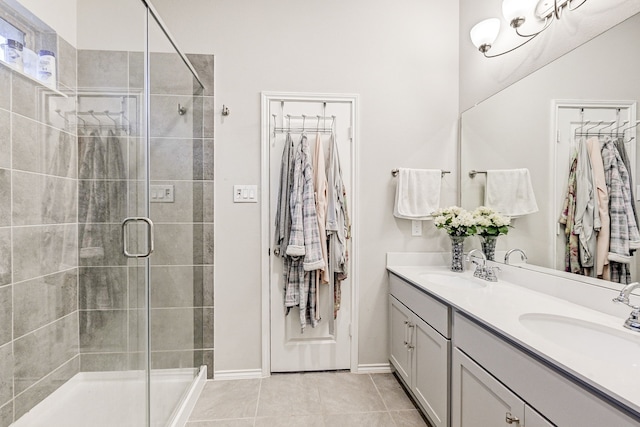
435	313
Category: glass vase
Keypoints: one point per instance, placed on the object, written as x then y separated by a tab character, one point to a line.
457	253
488	244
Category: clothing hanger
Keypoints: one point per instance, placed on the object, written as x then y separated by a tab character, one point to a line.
97	119
594	126
629	128
615	130
603	128
84	123
64	117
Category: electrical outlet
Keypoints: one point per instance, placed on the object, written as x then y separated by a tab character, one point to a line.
416	228
162	194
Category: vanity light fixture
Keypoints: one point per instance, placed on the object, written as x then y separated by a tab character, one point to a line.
515	12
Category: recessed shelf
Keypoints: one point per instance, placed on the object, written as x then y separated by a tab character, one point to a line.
33	79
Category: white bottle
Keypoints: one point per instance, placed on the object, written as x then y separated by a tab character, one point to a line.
47	68
30	60
13	54
3	41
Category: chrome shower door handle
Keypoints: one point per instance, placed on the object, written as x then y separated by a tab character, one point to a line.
125	236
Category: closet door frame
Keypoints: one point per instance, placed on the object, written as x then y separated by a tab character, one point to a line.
266	238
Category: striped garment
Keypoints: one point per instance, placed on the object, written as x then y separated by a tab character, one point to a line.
283	213
304	239
624	230
304	251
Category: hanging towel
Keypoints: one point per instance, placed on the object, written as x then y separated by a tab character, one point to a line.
417	193
510	193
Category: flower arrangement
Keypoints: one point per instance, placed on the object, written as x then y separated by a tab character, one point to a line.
455	221
490	223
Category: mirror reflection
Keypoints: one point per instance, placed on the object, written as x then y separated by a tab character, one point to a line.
537	124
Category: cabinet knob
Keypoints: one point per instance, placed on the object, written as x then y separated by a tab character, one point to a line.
510	419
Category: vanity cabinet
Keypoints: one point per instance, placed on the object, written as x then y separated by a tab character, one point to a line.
419	353
488	367
467	364
479	400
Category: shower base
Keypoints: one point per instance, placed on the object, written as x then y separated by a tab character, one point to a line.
108	399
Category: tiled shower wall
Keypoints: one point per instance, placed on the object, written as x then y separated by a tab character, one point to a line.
181	154
53	320
38	239
182	267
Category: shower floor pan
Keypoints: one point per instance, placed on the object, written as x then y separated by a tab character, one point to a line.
108	399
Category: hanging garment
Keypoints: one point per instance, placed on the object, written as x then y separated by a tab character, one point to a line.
624	230
620	272
283	213
338	225
56	206
600	183
619	144
320	184
102	200
587	215
117	187
304	240
571	259
92	207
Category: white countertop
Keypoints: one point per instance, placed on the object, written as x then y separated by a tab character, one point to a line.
500	305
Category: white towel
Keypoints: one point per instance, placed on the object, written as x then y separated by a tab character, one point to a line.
509	192
417	193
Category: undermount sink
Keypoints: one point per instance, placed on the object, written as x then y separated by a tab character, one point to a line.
452	280
586	338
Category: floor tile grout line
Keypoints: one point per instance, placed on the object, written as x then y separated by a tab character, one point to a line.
384	402
255	414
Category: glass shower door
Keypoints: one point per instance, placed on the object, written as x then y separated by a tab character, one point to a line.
182	259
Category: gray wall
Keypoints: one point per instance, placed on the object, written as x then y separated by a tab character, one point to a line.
38	239
400	56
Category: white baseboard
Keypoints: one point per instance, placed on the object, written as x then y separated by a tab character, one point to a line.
374	368
243	374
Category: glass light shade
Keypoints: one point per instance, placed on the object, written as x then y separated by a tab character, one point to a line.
485	32
512	9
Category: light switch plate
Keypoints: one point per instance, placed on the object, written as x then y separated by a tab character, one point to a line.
245	194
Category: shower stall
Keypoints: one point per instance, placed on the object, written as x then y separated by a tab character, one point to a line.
106	223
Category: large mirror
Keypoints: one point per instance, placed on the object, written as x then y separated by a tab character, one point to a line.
532	124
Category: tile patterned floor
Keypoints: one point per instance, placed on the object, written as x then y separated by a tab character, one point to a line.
331	399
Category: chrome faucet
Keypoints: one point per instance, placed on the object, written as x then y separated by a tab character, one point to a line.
633	322
481	268
523	256
482	271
